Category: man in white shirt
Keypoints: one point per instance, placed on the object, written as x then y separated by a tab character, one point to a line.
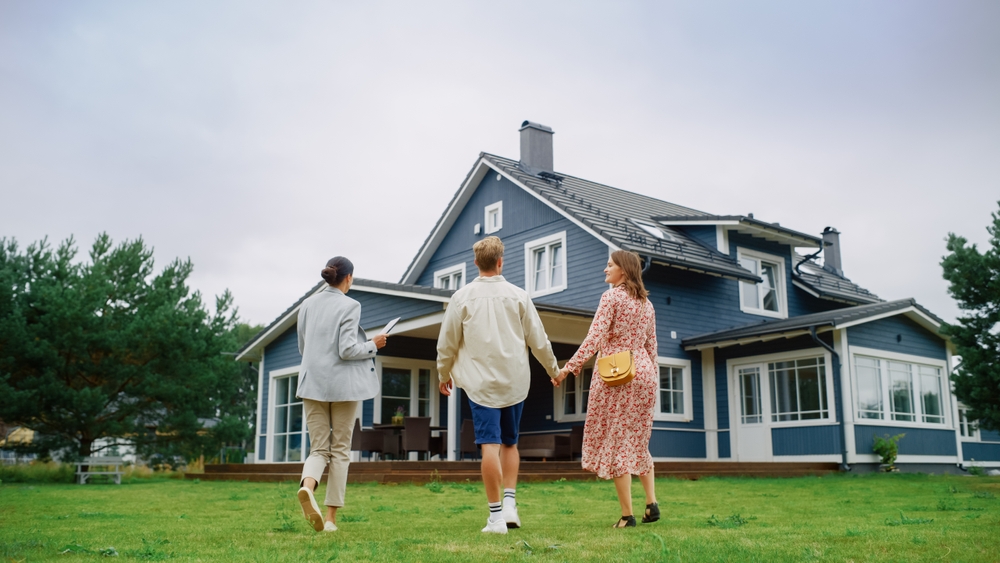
483	346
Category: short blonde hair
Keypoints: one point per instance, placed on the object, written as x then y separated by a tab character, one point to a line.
488	252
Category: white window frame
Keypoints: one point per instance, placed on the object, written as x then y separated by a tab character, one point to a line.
781	290
733	364
918	403
559	396
449	273
414	366
968	426
498	208
529	267
272	406
685	366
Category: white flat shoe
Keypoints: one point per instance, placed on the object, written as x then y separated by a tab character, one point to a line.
510	515
498	527
310	509
329	527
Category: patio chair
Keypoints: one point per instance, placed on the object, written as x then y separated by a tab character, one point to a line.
576	442
439	445
371	441
417	435
468	440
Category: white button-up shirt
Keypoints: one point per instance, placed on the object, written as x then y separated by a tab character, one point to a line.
487	330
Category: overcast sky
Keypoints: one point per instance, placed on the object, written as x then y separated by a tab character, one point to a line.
261	139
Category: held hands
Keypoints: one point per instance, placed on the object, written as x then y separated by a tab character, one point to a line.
559	378
380	340
445	388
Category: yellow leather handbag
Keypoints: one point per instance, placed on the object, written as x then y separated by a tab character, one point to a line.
616	369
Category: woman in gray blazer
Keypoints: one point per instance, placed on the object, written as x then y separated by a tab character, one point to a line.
337	373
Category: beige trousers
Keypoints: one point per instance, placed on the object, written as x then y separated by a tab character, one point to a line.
331	426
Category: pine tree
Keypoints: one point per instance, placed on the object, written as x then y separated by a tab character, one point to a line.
974	281
107	348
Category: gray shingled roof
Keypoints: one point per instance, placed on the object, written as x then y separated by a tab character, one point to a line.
828	285
610	212
833	319
746	221
357	281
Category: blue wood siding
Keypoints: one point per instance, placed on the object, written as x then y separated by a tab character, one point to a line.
989	436
979	451
368	413
917	441
265	388
283	352
724	446
525	219
378	309
673	443
262	448
898	334
704	234
806	440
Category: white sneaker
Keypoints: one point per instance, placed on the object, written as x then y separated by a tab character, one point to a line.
310	509
495	527
329	527
510	514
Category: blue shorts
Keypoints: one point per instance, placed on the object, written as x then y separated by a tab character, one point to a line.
496	426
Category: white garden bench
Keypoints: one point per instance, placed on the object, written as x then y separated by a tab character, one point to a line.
97	465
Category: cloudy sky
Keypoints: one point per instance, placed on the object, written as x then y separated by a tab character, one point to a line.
260	139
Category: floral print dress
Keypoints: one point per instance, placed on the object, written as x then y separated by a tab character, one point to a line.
620	419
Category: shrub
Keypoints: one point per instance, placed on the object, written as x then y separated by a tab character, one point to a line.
887	448
37	472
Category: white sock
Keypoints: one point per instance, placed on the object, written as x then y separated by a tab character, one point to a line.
508	496
495	514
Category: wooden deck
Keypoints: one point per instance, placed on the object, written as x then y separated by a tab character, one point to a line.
424	471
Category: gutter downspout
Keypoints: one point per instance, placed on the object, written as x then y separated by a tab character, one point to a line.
836	375
649	262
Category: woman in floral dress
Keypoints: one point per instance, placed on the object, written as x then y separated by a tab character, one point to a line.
620	419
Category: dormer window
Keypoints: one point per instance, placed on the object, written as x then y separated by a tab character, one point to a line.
450	278
494	217
766	298
654	230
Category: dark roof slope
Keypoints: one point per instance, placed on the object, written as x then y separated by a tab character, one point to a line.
611	212
833	318
828	285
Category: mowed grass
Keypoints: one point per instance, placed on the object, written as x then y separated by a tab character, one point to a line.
836	518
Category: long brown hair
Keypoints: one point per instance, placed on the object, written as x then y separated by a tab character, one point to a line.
631	266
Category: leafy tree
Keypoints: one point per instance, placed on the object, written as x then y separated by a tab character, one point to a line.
974	279
108	349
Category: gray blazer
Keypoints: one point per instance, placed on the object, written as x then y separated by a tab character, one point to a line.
337	358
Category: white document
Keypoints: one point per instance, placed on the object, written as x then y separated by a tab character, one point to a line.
390	325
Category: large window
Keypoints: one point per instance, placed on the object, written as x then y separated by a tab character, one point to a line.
288	428
798	390
450	278
406	390
766	298
914	391
545	265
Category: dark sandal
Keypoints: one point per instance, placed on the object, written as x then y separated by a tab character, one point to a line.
625	522
652	513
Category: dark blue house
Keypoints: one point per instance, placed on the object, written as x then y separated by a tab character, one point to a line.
765	353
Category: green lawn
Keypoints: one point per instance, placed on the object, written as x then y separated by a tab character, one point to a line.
839	518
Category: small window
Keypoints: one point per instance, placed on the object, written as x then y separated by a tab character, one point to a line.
494	217
750	401
965	426
767	297
545	265
575	391
674	400
450	278
654	230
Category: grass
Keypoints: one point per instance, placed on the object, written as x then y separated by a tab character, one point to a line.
839	518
